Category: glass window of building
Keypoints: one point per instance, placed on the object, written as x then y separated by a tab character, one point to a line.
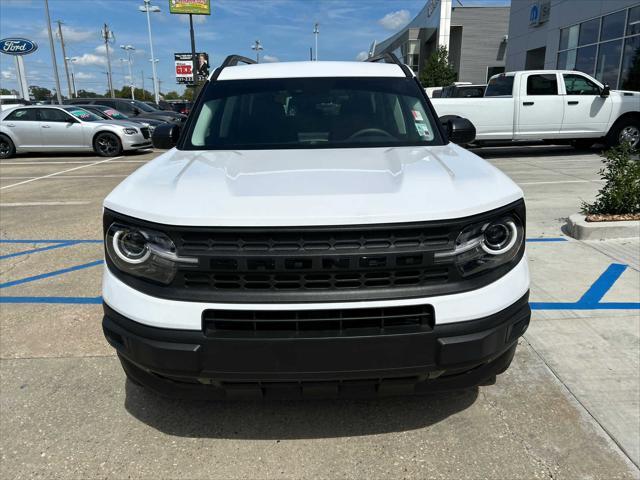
633	21
630	74
586	59
609	62
613	25
606	47
589	32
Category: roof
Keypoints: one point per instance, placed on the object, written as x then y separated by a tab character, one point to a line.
311	69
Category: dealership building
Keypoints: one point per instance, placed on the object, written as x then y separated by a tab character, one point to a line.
476	38
598	37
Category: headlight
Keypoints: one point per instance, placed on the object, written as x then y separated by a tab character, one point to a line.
143	253
130	131
485	245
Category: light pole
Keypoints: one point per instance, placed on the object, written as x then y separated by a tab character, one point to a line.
316	31
129	49
257	46
147	8
70	61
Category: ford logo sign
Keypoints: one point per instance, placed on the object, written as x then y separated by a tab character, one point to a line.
17	46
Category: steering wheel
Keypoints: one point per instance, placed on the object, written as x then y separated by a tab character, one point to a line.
370	131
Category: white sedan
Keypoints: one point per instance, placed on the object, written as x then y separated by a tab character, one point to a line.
67	128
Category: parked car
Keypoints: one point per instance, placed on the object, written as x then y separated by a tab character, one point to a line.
67	129
180	107
7	103
134	109
552	105
108	113
463	91
319	234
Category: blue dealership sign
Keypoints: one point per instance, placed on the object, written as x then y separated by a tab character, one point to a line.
17	46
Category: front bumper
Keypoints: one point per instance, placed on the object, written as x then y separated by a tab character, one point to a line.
190	364
134	142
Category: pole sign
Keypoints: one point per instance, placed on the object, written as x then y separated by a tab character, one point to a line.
193	7
17	46
184	67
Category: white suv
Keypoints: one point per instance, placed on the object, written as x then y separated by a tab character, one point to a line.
314	232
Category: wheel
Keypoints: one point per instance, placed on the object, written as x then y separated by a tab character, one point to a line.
582	143
107	145
7	149
625	130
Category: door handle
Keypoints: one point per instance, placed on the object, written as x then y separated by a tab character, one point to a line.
45	126
573	102
11	124
526	104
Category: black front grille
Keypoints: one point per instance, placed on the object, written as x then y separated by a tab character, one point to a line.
287	323
313	281
315	264
145	132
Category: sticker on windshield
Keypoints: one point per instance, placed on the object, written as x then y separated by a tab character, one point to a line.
109	112
81	114
422	129
417	115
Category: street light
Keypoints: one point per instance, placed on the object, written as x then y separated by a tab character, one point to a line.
129	49
148	8
73	74
257	46
316	31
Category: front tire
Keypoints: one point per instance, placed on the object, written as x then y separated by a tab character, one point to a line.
625	130
107	144
7	148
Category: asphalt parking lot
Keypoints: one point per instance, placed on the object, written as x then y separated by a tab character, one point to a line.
569	406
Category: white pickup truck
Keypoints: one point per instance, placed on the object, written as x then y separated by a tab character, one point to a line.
555	105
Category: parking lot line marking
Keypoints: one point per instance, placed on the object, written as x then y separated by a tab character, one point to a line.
546	239
68	163
62	177
603	284
58	173
51	274
57	300
41	204
50	241
37	250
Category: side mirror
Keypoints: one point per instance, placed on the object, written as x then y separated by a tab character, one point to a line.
459	130
165	136
606	90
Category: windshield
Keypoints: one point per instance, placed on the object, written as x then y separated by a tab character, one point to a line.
500	86
83	114
312	113
142	106
115	114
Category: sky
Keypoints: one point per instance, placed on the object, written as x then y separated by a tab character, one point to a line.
284	27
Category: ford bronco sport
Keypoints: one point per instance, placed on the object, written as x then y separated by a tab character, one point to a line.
314	232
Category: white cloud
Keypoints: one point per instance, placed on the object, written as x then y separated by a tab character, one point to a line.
84	76
395	20
102	49
270	59
90	59
362	56
7	74
70	34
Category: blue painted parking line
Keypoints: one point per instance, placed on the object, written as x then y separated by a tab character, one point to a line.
51	274
591	300
50	241
546	239
37	250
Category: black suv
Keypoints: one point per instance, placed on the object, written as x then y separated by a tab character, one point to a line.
131	108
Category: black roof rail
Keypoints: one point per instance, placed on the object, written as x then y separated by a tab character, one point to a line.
233	60
230	61
389	57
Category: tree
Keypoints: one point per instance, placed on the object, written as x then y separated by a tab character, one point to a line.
188	94
4	91
438	72
172	95
88	94
40	94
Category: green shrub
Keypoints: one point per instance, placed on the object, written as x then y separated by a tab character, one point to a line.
620	195
438	72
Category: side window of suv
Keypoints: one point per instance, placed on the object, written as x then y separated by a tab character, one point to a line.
22	115
124	107
544	84
579	85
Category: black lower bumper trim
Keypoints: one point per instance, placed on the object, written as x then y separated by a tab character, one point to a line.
187	362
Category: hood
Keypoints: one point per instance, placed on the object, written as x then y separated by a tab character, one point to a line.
312	187
118	123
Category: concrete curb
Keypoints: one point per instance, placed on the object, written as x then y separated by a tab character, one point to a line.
580	229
